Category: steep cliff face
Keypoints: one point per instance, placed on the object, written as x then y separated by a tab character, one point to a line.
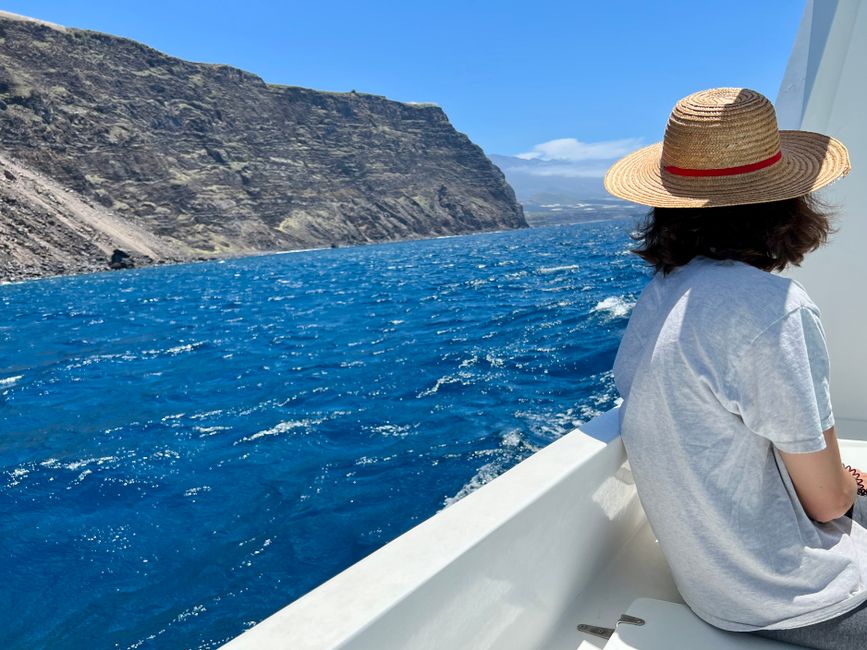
214	161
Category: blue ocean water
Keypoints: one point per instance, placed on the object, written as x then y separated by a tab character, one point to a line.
186	449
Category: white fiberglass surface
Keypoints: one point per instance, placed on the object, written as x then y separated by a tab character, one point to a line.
500	568
824	91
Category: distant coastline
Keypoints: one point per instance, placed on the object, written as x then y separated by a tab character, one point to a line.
539	221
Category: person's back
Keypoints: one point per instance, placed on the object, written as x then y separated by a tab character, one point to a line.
715	372
724	373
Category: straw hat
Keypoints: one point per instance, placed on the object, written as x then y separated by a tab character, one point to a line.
722	147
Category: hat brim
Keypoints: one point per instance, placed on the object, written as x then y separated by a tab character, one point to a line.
809	161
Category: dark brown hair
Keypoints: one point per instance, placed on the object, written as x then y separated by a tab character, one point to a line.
769	236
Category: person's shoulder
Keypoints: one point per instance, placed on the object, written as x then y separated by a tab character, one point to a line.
750	284
743	298
798	296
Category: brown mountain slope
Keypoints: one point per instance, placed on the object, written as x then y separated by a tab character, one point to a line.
213	161
46	229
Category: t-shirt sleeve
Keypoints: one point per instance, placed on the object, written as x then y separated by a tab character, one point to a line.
779	384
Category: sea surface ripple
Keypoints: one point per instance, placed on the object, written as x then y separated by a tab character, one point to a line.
186	449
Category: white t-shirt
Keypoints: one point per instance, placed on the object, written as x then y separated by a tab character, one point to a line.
721	365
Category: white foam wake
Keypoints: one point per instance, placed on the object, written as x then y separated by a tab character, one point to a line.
614	307
555	269
513	446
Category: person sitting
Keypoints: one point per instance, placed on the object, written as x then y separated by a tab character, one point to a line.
723	368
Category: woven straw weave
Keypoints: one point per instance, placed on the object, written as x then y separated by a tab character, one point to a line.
720	129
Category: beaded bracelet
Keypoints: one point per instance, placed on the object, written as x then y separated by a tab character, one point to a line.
862	491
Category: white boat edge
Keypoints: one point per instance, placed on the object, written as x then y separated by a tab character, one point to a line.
504	567
557	540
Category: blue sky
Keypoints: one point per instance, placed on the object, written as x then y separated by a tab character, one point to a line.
596	78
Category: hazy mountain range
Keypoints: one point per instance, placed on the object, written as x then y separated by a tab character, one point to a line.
562	190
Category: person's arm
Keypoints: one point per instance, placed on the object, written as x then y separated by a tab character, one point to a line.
826	489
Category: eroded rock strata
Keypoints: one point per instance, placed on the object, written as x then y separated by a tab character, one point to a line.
109	144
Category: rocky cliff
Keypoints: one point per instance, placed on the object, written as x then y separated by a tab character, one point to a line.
175	160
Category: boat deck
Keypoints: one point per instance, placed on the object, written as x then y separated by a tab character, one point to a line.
639	570
556	541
